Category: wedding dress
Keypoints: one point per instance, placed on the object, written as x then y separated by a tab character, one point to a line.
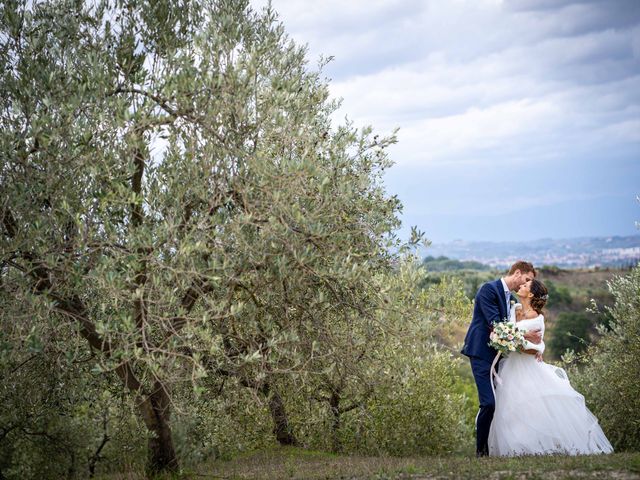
537	411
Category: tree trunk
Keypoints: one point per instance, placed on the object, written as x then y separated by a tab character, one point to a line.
281	427
155	410
334	403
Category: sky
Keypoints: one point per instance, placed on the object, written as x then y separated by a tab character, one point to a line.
519	119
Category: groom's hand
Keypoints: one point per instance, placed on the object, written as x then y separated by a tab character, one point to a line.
534	336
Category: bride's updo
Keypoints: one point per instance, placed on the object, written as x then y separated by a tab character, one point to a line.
540	295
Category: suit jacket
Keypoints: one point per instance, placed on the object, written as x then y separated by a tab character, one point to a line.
490	306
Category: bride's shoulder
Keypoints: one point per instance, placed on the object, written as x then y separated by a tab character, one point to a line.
539	318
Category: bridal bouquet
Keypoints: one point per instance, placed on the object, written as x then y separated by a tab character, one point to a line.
506	337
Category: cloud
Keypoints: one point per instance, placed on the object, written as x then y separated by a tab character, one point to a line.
481	87
566	18
458	137
571	88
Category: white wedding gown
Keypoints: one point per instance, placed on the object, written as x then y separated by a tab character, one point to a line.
537	411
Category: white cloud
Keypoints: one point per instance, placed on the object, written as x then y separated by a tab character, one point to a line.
626	131
477	87
459	137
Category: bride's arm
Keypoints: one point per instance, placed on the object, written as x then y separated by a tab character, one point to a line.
533	336
537	347
533	347
532	351
537	353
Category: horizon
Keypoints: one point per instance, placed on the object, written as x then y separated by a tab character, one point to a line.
580	252
541	239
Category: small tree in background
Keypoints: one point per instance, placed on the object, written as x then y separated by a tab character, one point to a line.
377	377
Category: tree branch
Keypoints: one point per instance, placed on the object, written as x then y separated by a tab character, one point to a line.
198	288
140	279
161	102
75	309
9	223
96	456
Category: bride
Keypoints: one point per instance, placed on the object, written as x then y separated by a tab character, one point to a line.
537	411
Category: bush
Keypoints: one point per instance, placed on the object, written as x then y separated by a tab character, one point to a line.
390	389
417	412
220	426
571	331
60	424
609	375
417	408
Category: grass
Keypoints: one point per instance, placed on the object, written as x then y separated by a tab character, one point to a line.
294	463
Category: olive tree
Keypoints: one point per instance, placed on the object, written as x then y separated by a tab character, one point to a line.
174	193
612	362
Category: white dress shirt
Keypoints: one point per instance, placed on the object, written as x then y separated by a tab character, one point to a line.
507	296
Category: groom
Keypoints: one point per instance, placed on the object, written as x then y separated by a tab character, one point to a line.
492	304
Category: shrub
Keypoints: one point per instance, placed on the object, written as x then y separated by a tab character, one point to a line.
609	375
571	332
417	412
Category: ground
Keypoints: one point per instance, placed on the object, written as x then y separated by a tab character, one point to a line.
293	463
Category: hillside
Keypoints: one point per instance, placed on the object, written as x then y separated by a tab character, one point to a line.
569	324
586	252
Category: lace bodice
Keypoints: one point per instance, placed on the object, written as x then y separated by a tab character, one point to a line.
536	323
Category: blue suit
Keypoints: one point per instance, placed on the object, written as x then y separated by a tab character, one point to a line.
490	306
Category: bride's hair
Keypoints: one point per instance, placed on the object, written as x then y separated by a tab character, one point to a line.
540	295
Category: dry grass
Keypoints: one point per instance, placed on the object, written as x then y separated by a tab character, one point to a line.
295	463
292	463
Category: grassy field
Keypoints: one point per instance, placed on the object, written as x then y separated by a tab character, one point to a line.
294	463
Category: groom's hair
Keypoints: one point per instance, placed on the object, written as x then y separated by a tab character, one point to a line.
523	266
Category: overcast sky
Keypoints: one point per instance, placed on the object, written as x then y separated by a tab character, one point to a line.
519	119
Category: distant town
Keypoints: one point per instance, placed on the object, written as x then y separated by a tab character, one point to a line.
585	252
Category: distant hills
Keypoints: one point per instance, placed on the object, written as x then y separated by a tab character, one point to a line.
446	264
584	252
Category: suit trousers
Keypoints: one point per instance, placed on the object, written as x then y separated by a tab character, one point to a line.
481	369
